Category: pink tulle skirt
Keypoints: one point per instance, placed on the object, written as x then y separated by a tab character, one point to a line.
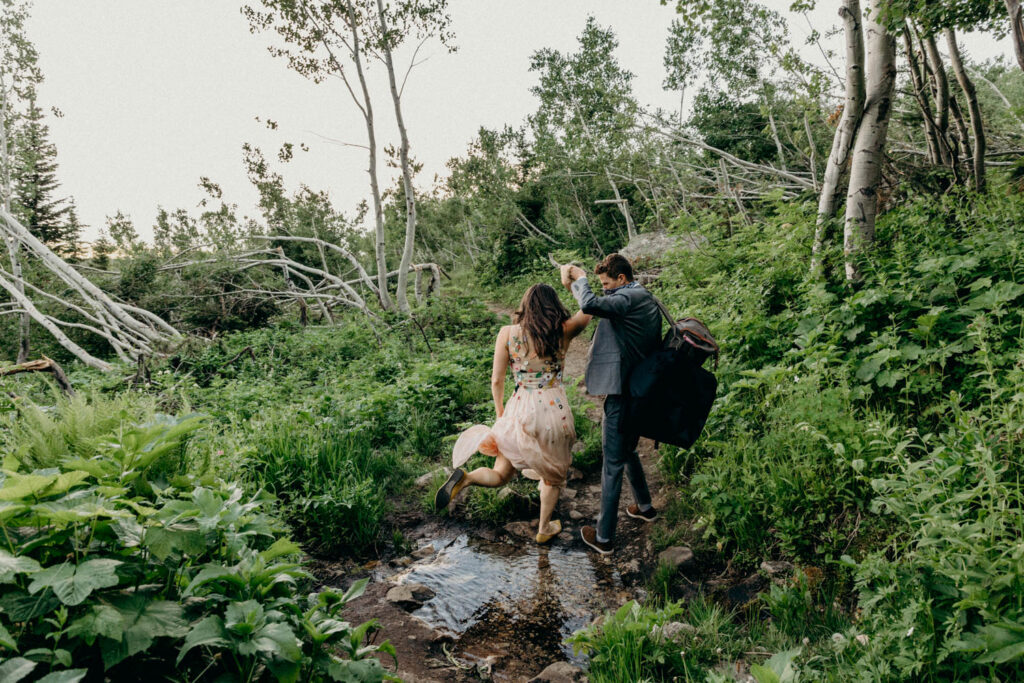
535	434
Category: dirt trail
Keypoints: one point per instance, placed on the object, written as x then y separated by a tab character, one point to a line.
502	606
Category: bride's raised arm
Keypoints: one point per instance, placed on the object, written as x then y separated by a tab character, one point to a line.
576	324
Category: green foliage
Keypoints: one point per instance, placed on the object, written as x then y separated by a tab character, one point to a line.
872	431
627	646
117	577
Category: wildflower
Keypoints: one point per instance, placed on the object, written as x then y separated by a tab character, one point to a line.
910	632
862	639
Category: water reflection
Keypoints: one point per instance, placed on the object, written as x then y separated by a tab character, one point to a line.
521	600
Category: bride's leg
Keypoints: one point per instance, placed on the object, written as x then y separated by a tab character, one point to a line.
548	499
492	478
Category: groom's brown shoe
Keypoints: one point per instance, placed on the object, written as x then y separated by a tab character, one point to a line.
589	535
450	489
635	512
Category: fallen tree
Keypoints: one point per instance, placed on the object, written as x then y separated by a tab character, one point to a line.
129	330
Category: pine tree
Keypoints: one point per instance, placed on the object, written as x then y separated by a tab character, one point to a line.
36	185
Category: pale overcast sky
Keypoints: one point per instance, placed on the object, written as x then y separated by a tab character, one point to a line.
156	93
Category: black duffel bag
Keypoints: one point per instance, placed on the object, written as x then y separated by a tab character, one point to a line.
670	393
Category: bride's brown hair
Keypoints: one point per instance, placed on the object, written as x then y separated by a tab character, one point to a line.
542	316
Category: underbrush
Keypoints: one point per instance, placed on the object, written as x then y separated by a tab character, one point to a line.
870	432
114	565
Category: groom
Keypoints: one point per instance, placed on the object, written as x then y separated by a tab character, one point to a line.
630	330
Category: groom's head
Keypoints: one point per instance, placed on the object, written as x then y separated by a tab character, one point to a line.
614	271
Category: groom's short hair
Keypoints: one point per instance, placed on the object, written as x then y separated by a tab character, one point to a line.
615	265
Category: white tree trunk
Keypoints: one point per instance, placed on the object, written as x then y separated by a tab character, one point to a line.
622	204
977	125
47	324
401	293
1013	8
921	94
378	207
96	297
853	110
869	147
12	244
944	105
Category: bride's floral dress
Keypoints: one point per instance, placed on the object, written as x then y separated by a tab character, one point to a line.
536	431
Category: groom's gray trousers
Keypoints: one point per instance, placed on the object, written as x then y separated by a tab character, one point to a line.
619	454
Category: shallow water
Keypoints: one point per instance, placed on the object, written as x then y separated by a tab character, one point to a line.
522	601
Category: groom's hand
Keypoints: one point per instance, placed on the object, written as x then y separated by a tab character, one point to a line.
567	278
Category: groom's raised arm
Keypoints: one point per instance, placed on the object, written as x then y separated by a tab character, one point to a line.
612	306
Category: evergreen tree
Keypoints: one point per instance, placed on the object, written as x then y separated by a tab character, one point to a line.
36	185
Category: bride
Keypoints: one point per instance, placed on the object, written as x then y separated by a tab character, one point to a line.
534	430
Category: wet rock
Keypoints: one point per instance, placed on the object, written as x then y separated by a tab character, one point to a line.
569	493
425	479
402	561
409	595
575	514
596	488
675	630
560	672
519	529
630	567
574	474
676	557
778	571
505	493
424	552
565	536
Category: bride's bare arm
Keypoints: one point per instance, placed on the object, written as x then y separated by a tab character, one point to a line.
498	371
576	324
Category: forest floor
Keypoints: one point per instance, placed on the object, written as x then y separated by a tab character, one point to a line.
499	607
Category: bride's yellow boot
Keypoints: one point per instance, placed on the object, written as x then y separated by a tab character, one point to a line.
446	494
556	525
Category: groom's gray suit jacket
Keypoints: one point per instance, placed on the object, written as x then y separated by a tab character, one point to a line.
629	314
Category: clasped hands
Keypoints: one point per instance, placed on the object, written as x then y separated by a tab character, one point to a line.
570	274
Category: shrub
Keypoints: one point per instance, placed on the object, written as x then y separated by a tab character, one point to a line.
107	574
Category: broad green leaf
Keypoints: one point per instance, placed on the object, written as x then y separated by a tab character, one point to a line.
355	590
73	583
18	486
79	508
208	632
129	532
279	639
7	640
13	670
101	620
67	676
12	565
97	468
143	621
9	509
763	674
20	606
281	547
285	672
150	619
210	572
164	541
